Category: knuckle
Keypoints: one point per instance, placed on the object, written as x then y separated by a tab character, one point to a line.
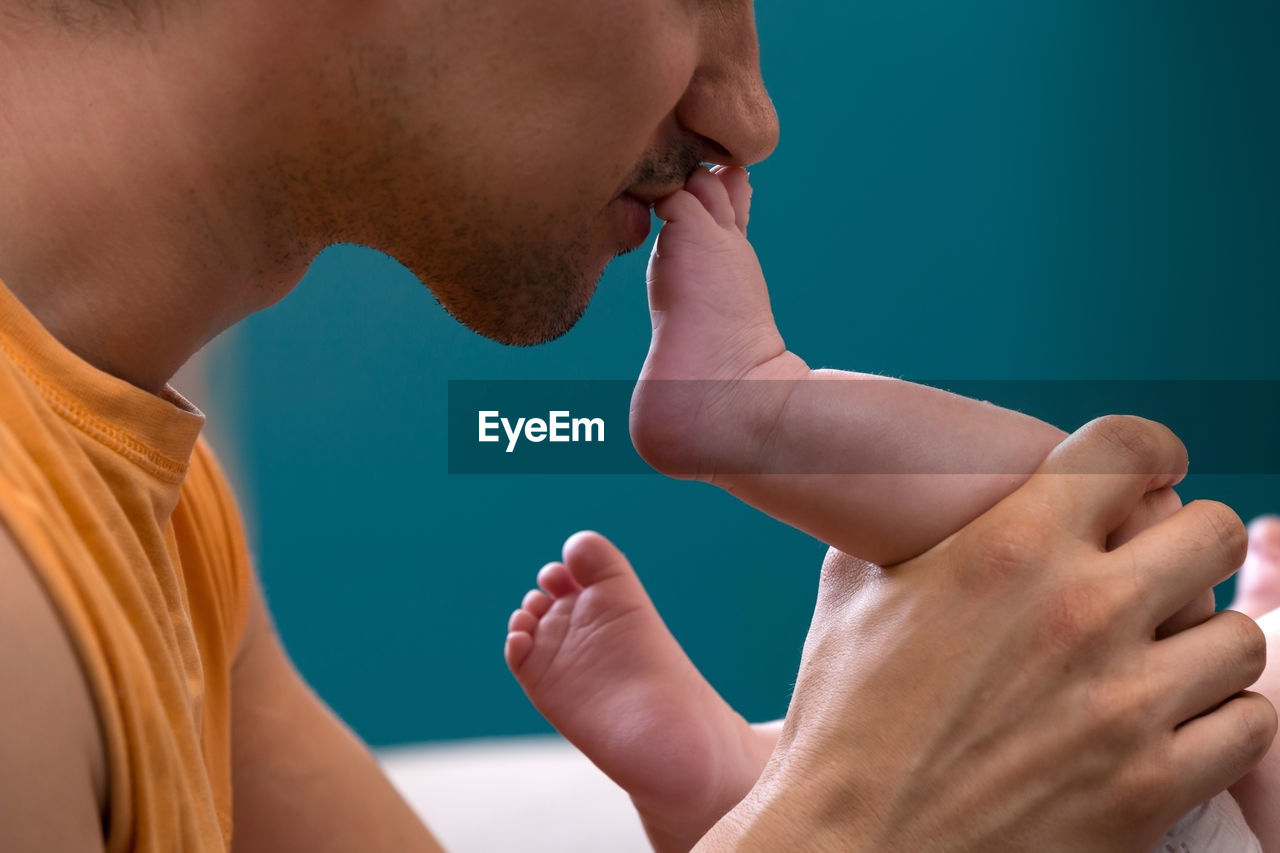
1226	530
1074	615
1134	436
1146	791
1150	447
1245	645
1254	730
1003	551
1102	707
1213	537
1259	721
1144	704
1117	712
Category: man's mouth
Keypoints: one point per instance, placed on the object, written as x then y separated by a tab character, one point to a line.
636	220
648	194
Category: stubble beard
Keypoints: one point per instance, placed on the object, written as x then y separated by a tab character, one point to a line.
518	294
533	284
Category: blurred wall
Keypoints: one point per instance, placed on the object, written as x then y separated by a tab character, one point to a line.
987	190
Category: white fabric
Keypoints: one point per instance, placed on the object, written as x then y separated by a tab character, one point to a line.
1215	827
531	794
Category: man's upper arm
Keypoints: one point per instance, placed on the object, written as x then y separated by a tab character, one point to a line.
52	769
302	780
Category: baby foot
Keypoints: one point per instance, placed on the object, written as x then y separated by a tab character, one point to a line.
1258	581
595	658
712	324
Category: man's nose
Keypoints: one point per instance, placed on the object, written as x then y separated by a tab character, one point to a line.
726	102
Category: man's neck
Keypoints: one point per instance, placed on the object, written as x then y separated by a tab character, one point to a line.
128	224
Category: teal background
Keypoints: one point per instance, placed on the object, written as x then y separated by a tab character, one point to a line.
987	190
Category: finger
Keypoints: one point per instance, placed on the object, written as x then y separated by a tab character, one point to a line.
1154	508
1194	613
1172	563
1214	751
738	185
1097	477
1204	666
709	189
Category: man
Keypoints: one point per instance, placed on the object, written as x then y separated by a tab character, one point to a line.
169	167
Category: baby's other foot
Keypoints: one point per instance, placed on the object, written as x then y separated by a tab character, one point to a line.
596	659
712	325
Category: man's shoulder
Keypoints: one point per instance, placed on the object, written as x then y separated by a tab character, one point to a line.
50	744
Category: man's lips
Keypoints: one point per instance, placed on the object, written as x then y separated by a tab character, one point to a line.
647	202
636	204
650	193
636	220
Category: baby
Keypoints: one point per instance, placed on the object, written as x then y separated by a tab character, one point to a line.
916	464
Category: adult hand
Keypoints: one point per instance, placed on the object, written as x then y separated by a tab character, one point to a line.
1156	507
1007	691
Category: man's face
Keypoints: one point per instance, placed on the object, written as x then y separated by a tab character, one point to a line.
510	148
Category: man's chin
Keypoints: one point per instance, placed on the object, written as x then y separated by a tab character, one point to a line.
524	316
516	294
528	334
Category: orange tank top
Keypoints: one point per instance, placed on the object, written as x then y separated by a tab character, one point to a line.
123	512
